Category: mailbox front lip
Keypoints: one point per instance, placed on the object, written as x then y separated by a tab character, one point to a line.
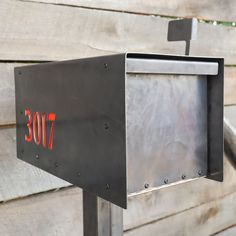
160	66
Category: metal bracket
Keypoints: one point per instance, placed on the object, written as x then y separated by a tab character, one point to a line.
183	30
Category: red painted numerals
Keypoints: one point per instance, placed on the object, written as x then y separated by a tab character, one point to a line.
37	128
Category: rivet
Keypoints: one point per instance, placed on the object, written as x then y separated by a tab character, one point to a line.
37	156
166	181
106	126
107	186
183	176
106	65
146	185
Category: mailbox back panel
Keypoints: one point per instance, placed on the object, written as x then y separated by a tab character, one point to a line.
166	129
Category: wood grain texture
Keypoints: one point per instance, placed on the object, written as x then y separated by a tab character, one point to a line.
205	9
54	32
230	132
60	213
19	179
205	219
230	86
231	231
7	93
50	214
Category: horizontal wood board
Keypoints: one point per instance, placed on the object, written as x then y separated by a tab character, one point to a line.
19	179
60	213
204	9
47	32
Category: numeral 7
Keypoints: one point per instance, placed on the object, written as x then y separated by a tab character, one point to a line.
52	118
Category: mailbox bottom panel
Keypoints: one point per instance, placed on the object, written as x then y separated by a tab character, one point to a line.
166	129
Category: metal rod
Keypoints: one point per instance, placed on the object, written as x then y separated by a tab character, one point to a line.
101	218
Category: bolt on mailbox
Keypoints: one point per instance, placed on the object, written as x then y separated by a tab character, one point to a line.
121	124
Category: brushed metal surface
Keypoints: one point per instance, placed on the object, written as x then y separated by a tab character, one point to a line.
155	66
166	129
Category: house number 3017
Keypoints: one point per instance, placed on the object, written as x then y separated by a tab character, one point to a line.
37	130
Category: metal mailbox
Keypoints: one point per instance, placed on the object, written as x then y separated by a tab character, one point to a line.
117	125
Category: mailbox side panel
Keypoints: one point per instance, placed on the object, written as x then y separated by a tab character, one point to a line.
215	98
88	98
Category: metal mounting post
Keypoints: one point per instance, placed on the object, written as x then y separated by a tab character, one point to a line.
183	30
101	218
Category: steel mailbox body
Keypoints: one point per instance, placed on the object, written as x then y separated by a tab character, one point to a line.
125	123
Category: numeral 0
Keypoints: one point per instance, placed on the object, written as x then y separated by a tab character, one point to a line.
39	128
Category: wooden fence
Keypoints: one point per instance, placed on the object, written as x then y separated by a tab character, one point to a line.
36	31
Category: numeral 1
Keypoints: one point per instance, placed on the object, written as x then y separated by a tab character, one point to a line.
37	135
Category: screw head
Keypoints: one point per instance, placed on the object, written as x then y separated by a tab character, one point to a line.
146	185
37	156
106	126
183	176
78	174
166	181
19	72
105	65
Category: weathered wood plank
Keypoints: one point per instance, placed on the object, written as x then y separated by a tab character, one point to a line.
52	32
18	178
55	214
60	213
230	132
205	9
158	204
230	86
205	219
231	231
7	93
